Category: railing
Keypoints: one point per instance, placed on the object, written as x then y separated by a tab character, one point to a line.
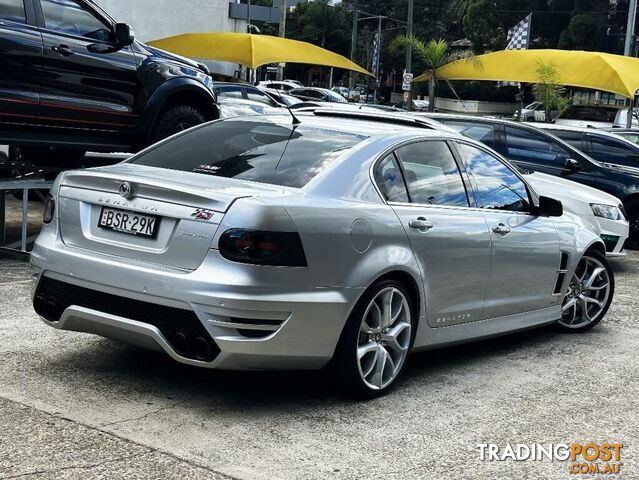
24	186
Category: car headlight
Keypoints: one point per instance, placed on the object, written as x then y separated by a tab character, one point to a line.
607	211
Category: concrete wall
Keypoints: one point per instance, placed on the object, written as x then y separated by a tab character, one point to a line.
475	107
153	19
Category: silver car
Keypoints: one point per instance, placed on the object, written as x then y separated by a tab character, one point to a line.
328	240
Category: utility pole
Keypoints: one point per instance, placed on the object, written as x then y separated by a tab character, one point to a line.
630	28
409	51
351	76
629	49
379	48
282	33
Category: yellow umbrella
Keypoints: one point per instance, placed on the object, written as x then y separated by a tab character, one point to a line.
596	70
252	50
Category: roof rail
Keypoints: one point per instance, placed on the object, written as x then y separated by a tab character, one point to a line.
382	117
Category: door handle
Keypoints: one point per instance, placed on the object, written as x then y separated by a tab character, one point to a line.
421	224
501	229
63	50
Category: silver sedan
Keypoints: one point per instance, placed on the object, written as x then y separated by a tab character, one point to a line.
332	240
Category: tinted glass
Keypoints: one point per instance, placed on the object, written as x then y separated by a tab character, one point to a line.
432	174
482	132
12	10
69	16
390	181
252	150
496	186
528	146
591	114
611	150
229	92
572	138
257	96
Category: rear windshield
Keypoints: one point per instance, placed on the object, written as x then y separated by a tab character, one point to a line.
591	114
252	150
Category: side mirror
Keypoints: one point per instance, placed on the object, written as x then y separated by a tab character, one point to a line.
572	164
549	207
123	34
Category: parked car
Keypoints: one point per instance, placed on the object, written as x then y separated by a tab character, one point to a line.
72	79
284	85
601	116
350	95
528	112
330	239
537	150
236	99
417	105
312	94
608	147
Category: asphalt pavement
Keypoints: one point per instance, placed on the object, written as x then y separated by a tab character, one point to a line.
78	406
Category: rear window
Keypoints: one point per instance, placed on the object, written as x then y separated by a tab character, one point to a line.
252	150
590	114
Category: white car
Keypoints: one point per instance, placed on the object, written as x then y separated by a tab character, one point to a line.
599	209
284	85
528	112
596	116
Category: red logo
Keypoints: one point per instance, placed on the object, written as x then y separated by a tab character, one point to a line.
203	214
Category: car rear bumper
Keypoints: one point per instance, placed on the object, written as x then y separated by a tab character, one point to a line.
249	322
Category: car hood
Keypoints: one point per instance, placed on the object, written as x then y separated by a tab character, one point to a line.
173	57
575	197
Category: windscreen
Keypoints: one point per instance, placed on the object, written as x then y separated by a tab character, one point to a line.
254	150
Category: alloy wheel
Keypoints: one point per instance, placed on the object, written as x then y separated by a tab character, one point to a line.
588	294
384	338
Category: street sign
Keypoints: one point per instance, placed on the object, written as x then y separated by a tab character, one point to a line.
407	80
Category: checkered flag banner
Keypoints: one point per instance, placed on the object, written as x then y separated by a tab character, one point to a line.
518	39
519	36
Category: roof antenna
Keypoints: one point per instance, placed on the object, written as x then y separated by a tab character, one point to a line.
296	121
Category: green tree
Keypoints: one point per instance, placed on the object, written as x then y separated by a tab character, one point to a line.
433	55
548	89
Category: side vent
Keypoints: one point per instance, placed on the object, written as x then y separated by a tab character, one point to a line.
561	273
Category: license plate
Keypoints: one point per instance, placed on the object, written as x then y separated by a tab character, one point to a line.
128	222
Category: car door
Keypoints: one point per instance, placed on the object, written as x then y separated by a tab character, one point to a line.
423	185
525	247
536	151
87	81
20	62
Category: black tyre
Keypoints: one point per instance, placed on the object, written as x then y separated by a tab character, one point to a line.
176	119
632	210
589	294
376	340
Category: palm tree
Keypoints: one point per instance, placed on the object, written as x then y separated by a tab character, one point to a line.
433	54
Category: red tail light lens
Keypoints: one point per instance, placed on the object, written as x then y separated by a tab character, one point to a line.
263	248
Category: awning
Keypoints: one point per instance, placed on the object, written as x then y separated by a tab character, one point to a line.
595	70
253	50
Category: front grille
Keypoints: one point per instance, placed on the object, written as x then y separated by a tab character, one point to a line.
180	327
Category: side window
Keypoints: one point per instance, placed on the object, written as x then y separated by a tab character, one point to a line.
69	16
614	151
390	181
228	92
432	175
573	138
482	132
13	10
528	146
257	96
496	186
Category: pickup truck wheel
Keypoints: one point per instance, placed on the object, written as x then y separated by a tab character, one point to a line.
175	120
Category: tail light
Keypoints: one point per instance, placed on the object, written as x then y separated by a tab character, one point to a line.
263	248
49	209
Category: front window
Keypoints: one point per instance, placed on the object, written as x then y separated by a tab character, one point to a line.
496	186
432	175
614	151
228	92
254	150
528	146
257	96
71	17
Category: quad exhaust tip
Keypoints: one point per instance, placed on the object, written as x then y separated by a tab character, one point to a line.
198	348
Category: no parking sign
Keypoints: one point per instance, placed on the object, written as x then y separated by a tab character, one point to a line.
407	80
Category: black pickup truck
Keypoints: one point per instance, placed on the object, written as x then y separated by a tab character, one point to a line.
74	80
